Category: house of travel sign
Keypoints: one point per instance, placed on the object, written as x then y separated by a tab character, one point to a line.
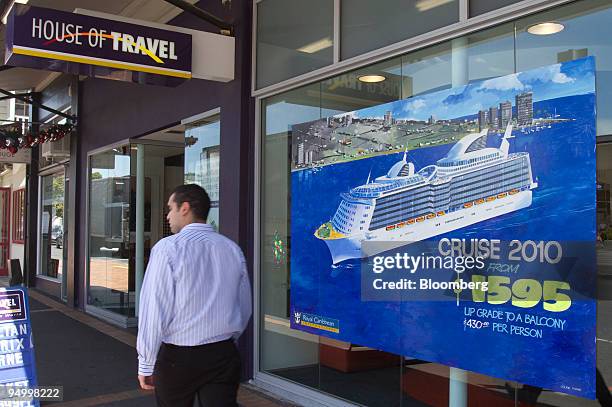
58	41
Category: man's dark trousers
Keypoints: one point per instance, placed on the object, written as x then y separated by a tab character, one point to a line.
211	370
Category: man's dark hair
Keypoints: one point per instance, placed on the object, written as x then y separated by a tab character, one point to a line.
196	196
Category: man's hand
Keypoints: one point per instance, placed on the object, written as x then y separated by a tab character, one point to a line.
146	382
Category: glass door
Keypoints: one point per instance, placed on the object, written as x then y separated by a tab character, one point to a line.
51	232
111	284
129	187
158	168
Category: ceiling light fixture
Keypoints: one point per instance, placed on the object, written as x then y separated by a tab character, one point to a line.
547	28
317	46
424	5
371	78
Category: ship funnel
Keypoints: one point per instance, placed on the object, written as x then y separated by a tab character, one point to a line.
505	144
508	132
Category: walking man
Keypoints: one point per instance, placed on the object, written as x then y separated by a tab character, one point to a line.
194	303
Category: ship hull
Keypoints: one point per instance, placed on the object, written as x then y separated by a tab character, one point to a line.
350	247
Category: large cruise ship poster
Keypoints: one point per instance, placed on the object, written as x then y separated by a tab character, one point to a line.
456	227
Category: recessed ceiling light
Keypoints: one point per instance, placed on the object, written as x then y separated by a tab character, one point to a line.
371	78
547	28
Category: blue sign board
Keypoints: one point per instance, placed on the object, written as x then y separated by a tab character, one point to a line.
17	364
456	227
55	40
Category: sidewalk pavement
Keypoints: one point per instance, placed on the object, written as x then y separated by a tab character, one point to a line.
96	362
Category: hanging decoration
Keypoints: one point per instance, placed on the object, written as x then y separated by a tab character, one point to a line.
12	135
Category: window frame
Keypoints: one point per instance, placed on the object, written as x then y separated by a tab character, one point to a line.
466	25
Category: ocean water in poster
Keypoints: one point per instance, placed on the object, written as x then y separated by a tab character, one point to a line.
501	171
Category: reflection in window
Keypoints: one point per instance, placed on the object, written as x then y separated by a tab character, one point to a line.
585	33
111	279
282	349
427	70
367	25
604	262
353	91
490	53
293	37
51	236
478	7
202	160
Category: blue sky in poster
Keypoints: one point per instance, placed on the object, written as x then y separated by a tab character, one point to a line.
577	78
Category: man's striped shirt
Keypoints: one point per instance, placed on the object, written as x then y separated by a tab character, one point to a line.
195	291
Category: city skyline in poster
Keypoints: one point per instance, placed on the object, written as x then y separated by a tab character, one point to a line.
509	158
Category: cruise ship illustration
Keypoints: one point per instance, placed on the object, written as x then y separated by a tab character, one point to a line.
471	184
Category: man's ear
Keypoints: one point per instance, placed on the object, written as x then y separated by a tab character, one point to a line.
185	208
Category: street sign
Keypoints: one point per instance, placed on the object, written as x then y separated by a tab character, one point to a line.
17	365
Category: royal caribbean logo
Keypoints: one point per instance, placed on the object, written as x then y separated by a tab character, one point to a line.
12	306
316	321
